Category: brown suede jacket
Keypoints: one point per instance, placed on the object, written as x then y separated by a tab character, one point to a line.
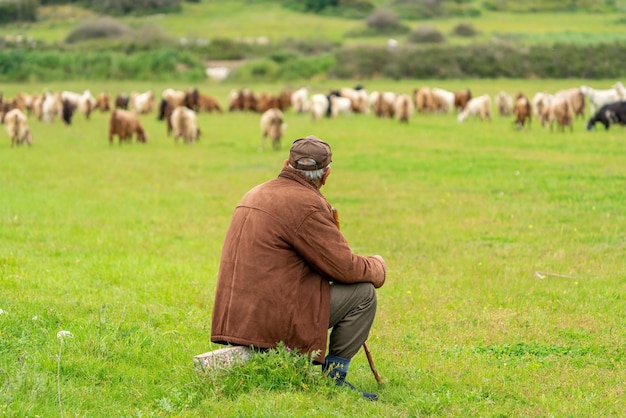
280	252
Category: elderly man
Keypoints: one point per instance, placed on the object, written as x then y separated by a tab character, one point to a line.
288	274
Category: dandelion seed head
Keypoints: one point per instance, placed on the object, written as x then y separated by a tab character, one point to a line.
64	334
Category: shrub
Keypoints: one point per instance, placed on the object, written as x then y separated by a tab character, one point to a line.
418	9
309	46
18	10
465	30
306	68
382	19
426	34
104	28
355	9
134	7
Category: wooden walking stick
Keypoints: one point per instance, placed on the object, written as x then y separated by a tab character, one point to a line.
368	354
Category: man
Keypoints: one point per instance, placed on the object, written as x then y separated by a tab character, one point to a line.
288	274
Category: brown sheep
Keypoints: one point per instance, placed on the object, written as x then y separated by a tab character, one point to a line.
272	125
244	100
560	111
125	124
577	98
461	98
16	125
384	105
208	103
265	102
522	110
423	100
403	108
103	102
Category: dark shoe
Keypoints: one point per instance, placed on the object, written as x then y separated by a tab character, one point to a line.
337	368
366	395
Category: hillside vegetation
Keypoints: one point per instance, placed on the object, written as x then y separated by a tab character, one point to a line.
285	39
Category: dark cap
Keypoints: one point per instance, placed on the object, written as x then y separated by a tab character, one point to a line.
309	147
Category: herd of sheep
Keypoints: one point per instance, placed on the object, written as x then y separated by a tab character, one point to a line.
179	108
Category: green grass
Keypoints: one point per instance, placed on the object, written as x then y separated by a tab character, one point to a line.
120	246
238	19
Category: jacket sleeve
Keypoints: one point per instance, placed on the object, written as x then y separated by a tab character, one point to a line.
319	241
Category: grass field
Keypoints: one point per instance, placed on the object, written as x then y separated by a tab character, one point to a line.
505	290
237	19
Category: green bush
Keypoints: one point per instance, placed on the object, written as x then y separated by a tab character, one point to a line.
134	7
102	28
352	9
481	61
466	30
426	34
18	10
29	65
264	69
382	19
306	68
307	46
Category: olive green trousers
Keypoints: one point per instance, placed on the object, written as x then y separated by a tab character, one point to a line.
352	311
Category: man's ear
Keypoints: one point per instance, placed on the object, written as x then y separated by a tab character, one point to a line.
325	176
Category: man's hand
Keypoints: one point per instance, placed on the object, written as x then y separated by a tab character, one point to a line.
382	261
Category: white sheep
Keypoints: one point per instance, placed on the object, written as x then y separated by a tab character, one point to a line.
272	125
16	125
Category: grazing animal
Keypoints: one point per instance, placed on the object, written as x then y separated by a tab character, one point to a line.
103	102
16	125
272	125
300	100
608	115
479	107
125	124
461	98
384	106
358	98
339	104
208	104
560	111
52	106
319	106
38	106
122	101
444	99
504	103
522	111
598	98
541	101
184	124
403	108
423	100
84	102
266	101
67	111
242	100
576	97
6	105
142	103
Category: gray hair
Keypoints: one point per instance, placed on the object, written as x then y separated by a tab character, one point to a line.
314	175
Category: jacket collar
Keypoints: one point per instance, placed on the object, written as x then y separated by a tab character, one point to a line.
295	175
